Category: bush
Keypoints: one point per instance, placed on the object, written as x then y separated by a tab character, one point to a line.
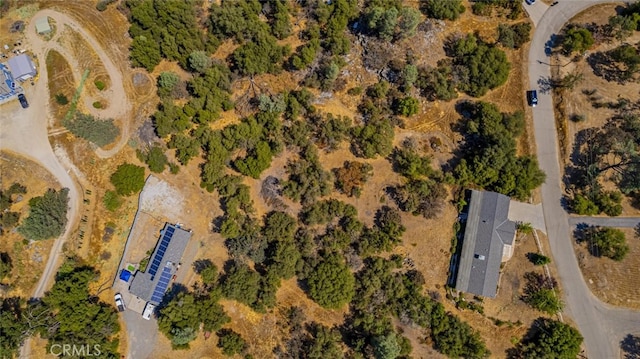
61	99
97	104
540	293
111	201
351	177
407	106
99	84
514	36
550	339
128	179
442	9
538	259
372	139
167	81
100	132
103	4
154	158
230	342
47	215
608	242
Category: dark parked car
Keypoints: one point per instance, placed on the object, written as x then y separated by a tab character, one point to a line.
530	2
532	98
23	101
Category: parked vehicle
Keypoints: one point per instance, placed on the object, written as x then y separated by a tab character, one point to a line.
532	98
148	311
119	302
23	101
530	2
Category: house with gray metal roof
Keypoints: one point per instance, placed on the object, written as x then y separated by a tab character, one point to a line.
488	241
22	68
151	284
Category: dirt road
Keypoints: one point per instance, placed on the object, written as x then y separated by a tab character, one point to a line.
602	326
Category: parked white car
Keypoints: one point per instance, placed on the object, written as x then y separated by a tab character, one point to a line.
119	302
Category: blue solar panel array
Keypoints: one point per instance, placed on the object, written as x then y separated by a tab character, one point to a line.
162	285
162	247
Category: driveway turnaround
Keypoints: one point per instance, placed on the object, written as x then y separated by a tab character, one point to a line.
602	326
527	213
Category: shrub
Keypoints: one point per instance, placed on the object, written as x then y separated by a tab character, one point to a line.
154	158
577	39
442	9
230	342
407	106
100	132
167	81
61	99
103	4
355	91
47	215
550	339
128	179
97	104
111	201
538	259
352	176
608	242
100	85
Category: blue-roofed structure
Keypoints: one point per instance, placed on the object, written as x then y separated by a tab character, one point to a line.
151	286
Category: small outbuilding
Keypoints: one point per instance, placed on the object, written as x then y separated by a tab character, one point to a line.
43	26
22	67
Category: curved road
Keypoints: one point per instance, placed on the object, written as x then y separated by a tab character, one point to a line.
602	326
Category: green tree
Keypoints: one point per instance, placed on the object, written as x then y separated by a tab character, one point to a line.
199	61
551	339
442	9
455	338
242	284
128	179
111	201
514	36
167	81
372	139
386	346
538	259
154	158
5	265
577	39
12	326
331	284
608	242
406	106
47	215
408	22
230	342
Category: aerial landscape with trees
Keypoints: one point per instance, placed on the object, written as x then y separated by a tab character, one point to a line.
323	150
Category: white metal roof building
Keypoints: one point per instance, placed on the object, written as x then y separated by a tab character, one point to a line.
22	67
43	26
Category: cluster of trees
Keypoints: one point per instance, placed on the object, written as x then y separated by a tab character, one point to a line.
626	22
6	265
8	218
486	7
307	179
549	338
154	157
514	36
605	241
68	313
540	293
423	192
480	66
165	29
620	64
599	151
442	9
47	215
98	131
488	156
389	20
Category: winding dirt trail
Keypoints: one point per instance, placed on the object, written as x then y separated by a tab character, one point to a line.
119	105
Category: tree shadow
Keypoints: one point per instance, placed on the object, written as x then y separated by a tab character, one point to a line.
605	67
201	264
547	84
630	346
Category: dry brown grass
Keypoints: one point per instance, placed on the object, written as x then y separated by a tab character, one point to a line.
613	282
28	259
60	77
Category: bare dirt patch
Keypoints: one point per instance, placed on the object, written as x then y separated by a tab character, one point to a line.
613	282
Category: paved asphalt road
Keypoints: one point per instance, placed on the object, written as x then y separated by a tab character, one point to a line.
620	222
602	326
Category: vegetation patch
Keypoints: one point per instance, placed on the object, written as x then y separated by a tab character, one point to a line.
98	131
47	215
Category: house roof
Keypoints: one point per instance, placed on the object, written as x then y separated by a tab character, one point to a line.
42	25
164	262
487	231
22	67
7	86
